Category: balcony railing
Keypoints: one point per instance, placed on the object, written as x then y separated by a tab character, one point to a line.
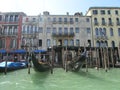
104	23
101	37
63	22
118	23
96	23
110	23
70	34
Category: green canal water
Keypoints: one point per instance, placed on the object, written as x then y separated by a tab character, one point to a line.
61	80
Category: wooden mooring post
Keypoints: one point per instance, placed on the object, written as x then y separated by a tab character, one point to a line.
6	64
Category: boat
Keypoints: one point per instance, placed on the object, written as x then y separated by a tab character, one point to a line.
40	65
11	66
77	62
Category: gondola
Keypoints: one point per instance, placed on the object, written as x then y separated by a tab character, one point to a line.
11	66
40	65
77	62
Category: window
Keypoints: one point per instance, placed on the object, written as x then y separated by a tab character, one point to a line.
96	32
97	44
102	12
95	12
34	19
60	31
109	12
54	42
71	20
2	43
71	30
100	30
104	32
23	30
88	30
13	43
40	42
118	31
48	30
54	31
40	30
77	29
103	21
16	18
65	20
11	18
6	18
87	20
66	31
95	21
60	20
111	32
49	19
117	21
71	42
77	42
0	17
76	19
66	42
109	21
113	44
48	42
54	19
116	12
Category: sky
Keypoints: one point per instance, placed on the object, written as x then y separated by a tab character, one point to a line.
55	7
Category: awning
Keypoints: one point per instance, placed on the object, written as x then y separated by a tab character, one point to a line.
3	51
19	51
39	51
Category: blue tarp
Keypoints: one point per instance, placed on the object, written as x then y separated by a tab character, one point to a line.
2	51
39	51
19	51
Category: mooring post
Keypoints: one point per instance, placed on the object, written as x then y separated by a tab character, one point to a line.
105	63
6	64
29	60
112	57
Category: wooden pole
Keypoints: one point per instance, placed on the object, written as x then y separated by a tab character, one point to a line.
6	64
29	60
105	63
112	57
108	63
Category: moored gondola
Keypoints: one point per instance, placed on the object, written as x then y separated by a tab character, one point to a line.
40	64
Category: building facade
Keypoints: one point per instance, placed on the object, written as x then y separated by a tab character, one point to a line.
106	26
10	30
52	30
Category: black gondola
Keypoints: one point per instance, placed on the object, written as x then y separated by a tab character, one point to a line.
40	65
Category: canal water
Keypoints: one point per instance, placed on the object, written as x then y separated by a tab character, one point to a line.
61	80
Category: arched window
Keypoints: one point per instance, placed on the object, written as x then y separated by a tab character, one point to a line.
111	32
101	44
97	44
104	32
96	32
100	31
71	42
106	43
113	44
66	42
95	21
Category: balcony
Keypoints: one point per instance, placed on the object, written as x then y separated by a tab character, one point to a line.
118	23
70	34
110	23
104	23
63	22
101	37
96	23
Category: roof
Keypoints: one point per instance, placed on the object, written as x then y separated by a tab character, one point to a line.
104	8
